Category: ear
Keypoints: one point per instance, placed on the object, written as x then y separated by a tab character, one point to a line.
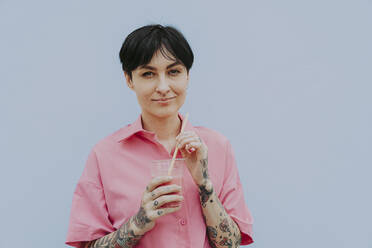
128	80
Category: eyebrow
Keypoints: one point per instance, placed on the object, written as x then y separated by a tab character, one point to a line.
154	69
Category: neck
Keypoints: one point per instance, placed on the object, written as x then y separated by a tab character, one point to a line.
165	128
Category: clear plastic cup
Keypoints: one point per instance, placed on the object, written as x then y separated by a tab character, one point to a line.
160	168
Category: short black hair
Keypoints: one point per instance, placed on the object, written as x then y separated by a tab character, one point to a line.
140	45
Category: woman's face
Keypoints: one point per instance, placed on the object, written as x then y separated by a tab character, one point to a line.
160	86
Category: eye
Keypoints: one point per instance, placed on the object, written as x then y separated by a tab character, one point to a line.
147	74
174	72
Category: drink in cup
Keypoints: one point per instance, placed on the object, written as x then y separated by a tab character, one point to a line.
160	168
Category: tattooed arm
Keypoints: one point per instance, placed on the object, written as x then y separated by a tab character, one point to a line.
222	231
125	237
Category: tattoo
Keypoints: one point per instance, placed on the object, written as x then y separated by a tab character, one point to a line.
108	241
204	163
205	174
212	232
226	233
126	237
211	235
226	241
140	220
122	238
238	241
221	231
237	233
204	195
212	243
224	225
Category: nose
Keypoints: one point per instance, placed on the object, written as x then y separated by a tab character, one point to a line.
162	86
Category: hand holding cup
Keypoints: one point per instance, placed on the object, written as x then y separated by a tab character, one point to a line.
155	202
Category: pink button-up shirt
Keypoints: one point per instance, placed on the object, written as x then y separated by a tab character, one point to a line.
115	176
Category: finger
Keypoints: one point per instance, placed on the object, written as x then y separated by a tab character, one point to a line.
163	211
193	146
185	141
185	134
156	181
160	201
163	190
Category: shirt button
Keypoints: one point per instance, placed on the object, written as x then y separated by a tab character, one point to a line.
183	222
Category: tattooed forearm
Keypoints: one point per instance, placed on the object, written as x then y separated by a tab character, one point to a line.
222	231
204	163
204	191
204	194
124	237
108	241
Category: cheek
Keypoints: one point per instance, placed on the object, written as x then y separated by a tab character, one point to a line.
181	87
146	91
144	97
181	97
180	91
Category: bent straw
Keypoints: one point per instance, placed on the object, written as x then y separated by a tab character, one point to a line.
176	150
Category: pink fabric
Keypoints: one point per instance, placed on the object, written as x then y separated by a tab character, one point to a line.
116	174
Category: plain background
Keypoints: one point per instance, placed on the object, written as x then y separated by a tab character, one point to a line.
288	82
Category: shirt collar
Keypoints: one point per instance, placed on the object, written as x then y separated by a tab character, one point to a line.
136	127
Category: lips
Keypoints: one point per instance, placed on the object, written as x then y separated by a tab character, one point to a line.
164	99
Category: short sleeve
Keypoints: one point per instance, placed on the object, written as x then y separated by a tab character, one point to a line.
89	219
232	198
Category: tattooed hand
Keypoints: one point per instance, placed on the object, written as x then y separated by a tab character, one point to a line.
195	152
155	196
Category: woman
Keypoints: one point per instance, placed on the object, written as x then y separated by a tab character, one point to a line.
117	204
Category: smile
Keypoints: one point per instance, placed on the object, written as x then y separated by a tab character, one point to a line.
162	100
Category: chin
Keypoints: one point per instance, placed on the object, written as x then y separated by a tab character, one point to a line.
165	112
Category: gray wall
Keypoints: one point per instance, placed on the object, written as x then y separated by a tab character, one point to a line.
288	82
